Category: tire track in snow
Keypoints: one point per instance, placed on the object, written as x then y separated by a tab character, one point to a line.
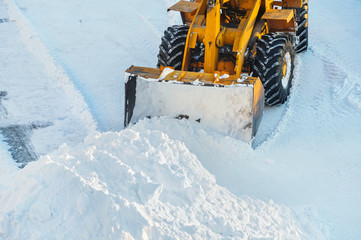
322	125
3	110
346	88
318	94
18	138
345	83
38	49
39	107
275	118
341	52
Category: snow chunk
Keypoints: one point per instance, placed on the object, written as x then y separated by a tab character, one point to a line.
224	76
165	72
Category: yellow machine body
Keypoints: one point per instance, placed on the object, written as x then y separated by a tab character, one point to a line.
208	24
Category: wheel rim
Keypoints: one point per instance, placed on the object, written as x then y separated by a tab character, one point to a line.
286	70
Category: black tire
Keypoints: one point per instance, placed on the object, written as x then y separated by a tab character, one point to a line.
171	49
274	65
302	28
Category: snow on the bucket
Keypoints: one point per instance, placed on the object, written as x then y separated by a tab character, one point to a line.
165	72
132	185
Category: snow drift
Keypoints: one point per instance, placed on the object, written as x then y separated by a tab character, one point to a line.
132	185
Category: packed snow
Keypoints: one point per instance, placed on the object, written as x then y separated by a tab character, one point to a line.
84	177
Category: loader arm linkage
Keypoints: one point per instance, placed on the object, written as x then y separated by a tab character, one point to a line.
214	36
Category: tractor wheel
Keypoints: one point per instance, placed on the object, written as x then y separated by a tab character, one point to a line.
274	65
302	31
171	49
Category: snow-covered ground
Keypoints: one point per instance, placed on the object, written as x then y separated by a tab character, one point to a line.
61	76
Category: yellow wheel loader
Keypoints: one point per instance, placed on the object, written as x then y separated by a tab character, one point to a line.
228	59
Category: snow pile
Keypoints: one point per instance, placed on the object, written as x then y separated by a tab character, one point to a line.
132	185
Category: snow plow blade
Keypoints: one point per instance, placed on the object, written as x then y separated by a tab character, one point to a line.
227	104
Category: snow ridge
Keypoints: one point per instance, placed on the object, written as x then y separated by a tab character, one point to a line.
134	185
